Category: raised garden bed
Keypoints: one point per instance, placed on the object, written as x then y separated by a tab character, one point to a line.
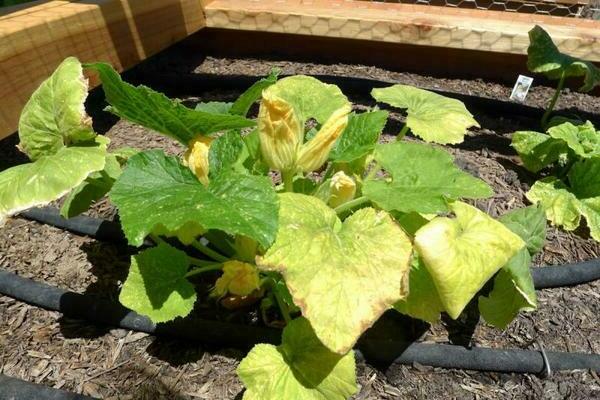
485	153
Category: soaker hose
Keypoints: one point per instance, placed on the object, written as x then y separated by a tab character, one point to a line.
543	278
100	310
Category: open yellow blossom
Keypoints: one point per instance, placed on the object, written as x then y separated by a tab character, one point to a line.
342	188
239	278
314	153
280	131
196	157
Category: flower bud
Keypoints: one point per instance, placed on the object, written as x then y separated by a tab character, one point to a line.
280	132
314	153
239	278
342	189
196	157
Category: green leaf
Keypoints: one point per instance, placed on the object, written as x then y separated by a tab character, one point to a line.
253	93
225	152
214	107
48	178
530	224
582	139
342	275
560	205
411	222
423	301
301	368
310	97
360	136
543	56
156	111
92	189
124	153
431	116
463	253
55	115
156	285
423	179
537	150
156	190
513	292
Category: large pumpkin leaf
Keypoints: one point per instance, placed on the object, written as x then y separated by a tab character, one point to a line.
342	275
543	56
55	115
48	178
157	286
431	116
463	253
423	179
310	97
360	136
301	368
156	111
156	191
537	150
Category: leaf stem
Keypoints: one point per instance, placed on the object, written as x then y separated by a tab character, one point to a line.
208	251
288	180
156	239
550	108
285	311
207	268
402	133
351	204
199	262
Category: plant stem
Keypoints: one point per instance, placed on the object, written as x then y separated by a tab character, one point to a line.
208	251
288	180
351	204
207	268
156	239
550	108
199	262
285	311
402	133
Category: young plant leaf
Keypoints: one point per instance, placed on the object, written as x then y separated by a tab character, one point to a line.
156	111
55	115
423	179
360	136
214	107
537	150
560	205
582	139
463	253
253	93
544	57
513	292
423	301
157	191
342	275
156	285
300	368
226	152
431	116
310	97
48	178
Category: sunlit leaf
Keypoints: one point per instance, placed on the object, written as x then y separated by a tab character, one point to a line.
252	94
360	136
582	139
537	150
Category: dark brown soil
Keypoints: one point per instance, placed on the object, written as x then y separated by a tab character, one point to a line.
42	347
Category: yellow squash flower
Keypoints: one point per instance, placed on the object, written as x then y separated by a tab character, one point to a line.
314	153
342	188
239	278
280	132
196	157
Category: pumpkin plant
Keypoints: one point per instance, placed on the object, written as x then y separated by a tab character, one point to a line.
544	57
288	211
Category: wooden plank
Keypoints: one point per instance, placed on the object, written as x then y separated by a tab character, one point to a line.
34	40
476	30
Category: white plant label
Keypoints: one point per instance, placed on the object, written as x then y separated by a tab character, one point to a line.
519	92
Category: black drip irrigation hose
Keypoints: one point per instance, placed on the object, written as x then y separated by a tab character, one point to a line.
543	278
17	389
378	350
